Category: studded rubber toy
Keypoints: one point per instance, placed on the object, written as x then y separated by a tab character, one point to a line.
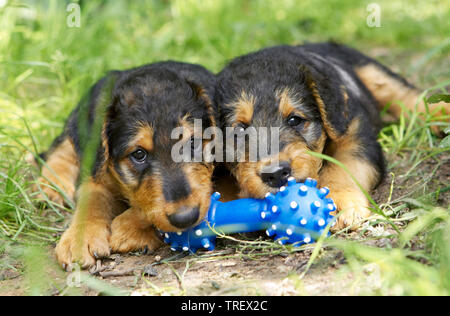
297	214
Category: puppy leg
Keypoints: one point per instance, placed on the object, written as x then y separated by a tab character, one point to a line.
87	238
132	231
61	170
387	87
350	200
363	158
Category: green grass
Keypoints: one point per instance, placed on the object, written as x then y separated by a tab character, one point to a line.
46	67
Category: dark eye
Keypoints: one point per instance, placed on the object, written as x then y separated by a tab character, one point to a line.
294	121
139	155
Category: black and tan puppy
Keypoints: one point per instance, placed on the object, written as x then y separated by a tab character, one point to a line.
324	98
135	185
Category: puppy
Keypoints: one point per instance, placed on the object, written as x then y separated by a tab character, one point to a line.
134	185
325	98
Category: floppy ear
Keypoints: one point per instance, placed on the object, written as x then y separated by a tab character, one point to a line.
201	94
105	110
103	151
331	100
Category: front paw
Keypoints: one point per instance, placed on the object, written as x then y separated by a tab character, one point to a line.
352	207
83	245
126	237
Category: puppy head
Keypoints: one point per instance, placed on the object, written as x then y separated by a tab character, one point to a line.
147	105
263	91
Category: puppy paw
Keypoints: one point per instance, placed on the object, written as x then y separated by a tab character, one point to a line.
352	207
83	245
126	238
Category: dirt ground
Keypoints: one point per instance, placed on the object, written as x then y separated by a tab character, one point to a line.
234	270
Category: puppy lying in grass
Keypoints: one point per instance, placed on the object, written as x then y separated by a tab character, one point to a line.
133	185
325	98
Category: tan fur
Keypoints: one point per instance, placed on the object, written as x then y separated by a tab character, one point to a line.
87	238
243	109
343	190
188	128
204	95
387	89
143	139
150	200
131	182
122	187
288	105
302	165
61	170
131	231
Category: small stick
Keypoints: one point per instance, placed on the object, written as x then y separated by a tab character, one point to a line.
128	272
97	268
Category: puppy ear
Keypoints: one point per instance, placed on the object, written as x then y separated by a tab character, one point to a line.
331	99
103	151
104	113
200	93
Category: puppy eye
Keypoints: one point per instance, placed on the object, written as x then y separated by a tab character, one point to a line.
294	121
139	155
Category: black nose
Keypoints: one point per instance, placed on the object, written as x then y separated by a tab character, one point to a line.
276	175
184	217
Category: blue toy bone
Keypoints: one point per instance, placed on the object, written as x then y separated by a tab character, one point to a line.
297	214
